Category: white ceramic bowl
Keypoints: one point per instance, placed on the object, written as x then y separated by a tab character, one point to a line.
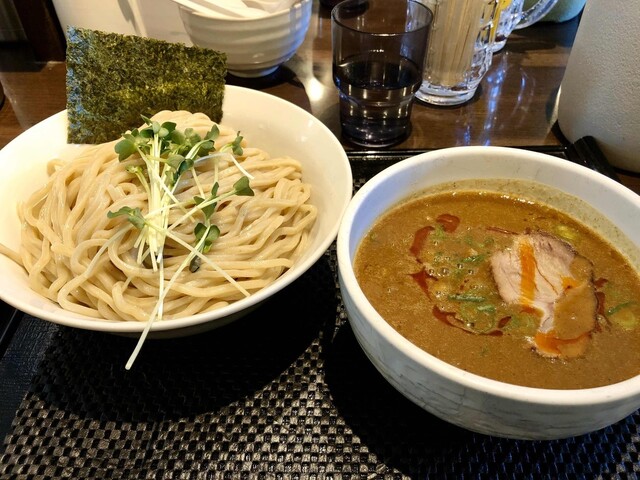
267	122
467	400
254	46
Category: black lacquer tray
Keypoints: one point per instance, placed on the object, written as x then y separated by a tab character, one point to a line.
285	392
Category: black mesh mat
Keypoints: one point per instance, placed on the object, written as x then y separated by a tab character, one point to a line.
285	392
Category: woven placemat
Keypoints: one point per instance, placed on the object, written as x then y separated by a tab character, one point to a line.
285	392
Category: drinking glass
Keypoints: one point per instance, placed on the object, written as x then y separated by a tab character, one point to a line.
459	50
378	57
501	23
514	16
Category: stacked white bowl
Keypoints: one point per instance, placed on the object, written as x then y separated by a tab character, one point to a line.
256	42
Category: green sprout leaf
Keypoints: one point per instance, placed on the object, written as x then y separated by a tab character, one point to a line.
146	133
235	145
178	137
242	187
175	160
163	130
134	215
208	210
213	133
210	234
185	165
125	148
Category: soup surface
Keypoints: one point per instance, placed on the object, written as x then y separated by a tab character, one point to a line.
505	287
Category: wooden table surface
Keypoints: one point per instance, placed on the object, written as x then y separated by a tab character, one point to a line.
514	106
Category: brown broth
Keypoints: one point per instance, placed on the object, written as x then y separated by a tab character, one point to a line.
388	267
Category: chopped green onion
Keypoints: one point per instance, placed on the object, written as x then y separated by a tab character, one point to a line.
466	297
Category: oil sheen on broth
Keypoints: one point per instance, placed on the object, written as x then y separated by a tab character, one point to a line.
505	287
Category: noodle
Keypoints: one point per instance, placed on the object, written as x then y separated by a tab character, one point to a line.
87	262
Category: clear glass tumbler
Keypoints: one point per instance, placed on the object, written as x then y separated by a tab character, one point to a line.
502	23
378	56
458	50
514	16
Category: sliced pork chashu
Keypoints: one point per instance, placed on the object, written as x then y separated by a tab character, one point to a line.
544	274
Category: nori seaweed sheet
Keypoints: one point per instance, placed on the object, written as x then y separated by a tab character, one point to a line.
112	79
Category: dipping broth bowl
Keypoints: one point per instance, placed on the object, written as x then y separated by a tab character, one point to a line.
465	399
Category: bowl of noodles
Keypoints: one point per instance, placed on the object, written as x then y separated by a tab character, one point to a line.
71	252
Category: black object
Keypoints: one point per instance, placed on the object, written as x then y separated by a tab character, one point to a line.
9	319
329	3
585	151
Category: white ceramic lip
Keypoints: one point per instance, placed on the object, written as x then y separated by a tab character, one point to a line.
287	12
347	242
309	131
255	47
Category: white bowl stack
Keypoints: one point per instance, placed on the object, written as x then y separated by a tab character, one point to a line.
256	39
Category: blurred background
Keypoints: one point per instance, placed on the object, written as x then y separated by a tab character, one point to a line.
34	22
